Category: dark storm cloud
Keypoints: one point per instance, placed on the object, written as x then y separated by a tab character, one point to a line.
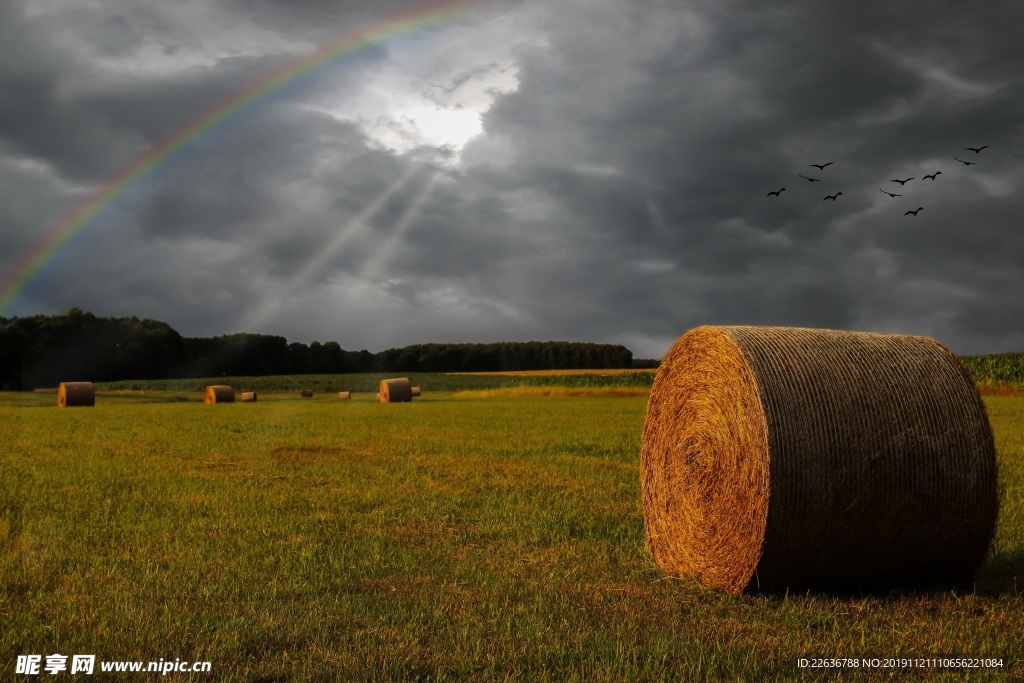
712	122
89	121
617	193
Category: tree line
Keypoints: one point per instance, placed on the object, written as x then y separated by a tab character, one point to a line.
44	350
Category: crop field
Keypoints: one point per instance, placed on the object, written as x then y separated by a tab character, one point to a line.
1000	369
482	532
368	383
558	373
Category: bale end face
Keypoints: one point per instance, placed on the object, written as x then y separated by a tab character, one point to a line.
704	463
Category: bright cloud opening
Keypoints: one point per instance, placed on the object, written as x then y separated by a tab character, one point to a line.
443	127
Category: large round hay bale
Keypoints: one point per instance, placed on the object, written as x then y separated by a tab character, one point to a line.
345	394
219	393
248	397
415	391
395	390
306	393
75	394
779	458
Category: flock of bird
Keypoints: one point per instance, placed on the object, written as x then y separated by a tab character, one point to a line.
930	176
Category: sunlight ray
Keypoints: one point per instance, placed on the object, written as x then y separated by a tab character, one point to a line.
323	256
408	217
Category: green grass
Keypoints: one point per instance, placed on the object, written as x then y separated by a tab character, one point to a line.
447	539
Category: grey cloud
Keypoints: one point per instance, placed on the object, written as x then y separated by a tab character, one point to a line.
617	195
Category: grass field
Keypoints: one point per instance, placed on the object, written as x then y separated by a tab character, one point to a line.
464	536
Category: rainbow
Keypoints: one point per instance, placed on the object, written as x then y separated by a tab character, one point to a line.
85	213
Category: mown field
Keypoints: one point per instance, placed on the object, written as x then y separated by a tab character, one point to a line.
494	534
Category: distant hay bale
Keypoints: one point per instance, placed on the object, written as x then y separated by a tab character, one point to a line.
415	391
75	394
344	394
306	393
248	397
395	390
219	393
779	458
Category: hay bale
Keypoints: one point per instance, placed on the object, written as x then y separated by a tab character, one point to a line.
779	458
75	394
219	393
306	393
345	394
248	397
415	391
395	390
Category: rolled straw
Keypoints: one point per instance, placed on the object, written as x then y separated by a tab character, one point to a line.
777	458
219	393
75	394
395	390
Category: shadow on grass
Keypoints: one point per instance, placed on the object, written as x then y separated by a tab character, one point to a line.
1002	575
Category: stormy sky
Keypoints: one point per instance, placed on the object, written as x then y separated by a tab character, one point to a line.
589	170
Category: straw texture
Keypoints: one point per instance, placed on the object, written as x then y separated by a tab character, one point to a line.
248	397
75	394
219	393
344	394
395	390
415	391
777	458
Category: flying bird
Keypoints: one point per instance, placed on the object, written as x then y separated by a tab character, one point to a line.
776	193
932	176
821	167
813	180
890	193
902	182
832	196
966	163
976	149
914	212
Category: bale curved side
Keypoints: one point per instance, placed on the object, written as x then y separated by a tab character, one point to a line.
395	390
219	393
879	461
416	391
345	394
76	394
249	397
